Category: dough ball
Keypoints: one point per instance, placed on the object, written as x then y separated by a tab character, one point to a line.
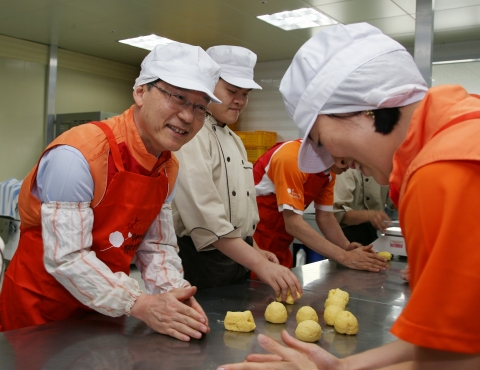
331	313
290	299
306	313
337	301
308	331
386	255
239	321
346	323
339	293
276	313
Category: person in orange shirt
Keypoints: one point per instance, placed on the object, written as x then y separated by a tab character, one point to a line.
360	101
100	198
284	192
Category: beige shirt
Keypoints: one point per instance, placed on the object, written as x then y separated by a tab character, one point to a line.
354	191
215	192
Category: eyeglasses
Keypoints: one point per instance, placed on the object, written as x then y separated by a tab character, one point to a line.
200	112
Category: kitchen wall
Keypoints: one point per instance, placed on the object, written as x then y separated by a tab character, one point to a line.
266	111
84	84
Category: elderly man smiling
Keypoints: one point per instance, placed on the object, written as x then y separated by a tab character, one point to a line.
100	198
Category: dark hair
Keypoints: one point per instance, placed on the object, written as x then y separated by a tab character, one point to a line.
149	85
386	119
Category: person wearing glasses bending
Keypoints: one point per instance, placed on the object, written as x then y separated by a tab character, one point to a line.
214	209
100	199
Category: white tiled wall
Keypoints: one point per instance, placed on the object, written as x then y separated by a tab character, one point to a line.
265	110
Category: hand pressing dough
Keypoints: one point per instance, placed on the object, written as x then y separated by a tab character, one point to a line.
239	321
290	299
331	313
346	323
339	293
276	313
337	301
386	255
306	313
308	331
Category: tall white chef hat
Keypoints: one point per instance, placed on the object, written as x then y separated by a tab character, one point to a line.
346	69
237	65
182	65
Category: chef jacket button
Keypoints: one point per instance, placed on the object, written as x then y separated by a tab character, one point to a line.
214	128
248	193
235	228
366	180
230	133
234	193
368	198
253	227
228	159
242	161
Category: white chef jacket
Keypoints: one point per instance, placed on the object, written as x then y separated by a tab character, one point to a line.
215	192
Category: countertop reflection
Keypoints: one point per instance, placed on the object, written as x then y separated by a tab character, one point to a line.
100	342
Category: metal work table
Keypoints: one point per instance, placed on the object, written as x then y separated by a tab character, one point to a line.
100	342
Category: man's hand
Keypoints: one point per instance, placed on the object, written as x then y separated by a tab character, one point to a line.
379	220
405	274
280	278
298	355
363	258
269	255
175	313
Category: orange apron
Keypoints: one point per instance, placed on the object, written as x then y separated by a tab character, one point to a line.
270	233
31	296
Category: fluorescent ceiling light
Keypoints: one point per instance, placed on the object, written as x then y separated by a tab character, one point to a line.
296	19
147	42
457	61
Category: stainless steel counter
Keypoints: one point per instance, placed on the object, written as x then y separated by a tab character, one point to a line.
100	342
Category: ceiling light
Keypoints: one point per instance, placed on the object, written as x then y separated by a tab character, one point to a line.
457	61
147	42
296	19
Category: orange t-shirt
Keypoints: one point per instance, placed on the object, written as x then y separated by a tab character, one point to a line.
442	235
289	181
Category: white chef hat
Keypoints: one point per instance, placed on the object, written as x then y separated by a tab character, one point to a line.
345	69
181	65
237	65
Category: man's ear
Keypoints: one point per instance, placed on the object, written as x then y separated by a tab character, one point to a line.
138	94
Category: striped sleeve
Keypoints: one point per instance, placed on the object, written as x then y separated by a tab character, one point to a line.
69	259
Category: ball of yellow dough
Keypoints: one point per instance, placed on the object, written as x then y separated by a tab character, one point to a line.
276	313
337	301
346	323
386	255
306	313
339	293
308	331
239	321
331	313
290	299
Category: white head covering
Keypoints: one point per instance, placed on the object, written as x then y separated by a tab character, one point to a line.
346	69
237	65
181	65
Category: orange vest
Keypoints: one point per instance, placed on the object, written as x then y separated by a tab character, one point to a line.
127	198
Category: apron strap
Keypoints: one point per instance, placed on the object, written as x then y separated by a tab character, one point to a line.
117	158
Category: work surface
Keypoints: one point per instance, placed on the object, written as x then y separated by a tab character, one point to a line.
100	342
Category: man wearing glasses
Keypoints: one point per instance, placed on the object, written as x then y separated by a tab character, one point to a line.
100	197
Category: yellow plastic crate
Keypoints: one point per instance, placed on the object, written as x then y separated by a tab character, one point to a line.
258	138
253	153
